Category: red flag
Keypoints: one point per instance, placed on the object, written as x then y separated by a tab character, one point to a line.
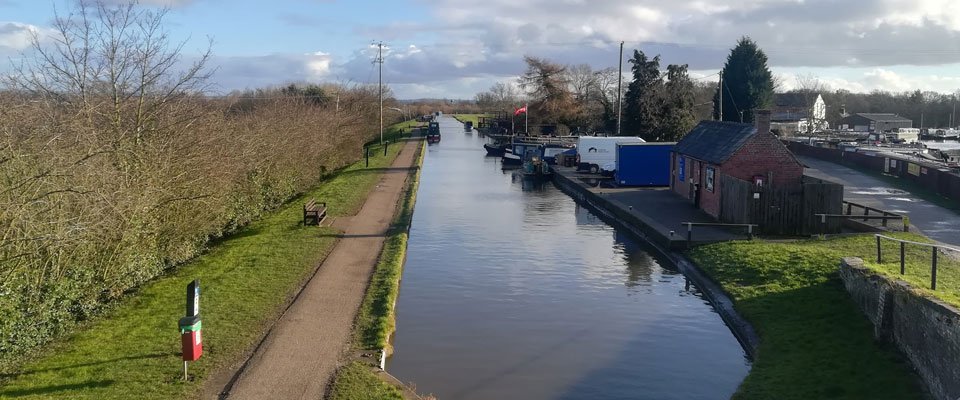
520	110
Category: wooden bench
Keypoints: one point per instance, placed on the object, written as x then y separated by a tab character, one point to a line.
314	211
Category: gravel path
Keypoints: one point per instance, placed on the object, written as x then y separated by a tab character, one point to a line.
299	357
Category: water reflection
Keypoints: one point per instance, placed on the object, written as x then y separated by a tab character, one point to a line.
511	290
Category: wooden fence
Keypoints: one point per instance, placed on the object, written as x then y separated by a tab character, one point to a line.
780	211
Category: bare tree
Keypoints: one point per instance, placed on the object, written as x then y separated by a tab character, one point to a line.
582	80
810	89
116	53
547	85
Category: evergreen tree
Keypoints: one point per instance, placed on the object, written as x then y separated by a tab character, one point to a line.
678	103
641	108
747	83
547	86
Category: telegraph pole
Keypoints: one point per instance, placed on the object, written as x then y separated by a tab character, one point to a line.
380	86
619	90
721	96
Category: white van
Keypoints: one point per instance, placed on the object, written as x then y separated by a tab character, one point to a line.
595	152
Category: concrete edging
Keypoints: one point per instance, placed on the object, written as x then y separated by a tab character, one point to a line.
741	329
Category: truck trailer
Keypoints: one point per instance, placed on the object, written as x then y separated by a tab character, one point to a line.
643	164
595	152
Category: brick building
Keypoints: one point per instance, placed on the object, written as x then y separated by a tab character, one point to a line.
744	151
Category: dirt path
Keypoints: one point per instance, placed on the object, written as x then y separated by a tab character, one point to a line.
298	358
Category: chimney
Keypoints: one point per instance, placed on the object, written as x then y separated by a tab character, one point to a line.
761	120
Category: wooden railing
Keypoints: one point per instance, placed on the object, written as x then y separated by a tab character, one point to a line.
903	265
882	215
849	206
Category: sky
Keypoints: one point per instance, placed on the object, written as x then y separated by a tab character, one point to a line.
456	48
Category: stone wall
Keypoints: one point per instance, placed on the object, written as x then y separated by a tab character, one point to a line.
926	330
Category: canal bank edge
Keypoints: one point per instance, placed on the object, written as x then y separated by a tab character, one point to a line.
741	329
921	327
372	329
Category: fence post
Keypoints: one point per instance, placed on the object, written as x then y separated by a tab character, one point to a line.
387	144
906	223
884	223
849	208
933	271
689	234
866	212
879	259
903	266
750	232
366	151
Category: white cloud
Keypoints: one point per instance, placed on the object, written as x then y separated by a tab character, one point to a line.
884	79
16	35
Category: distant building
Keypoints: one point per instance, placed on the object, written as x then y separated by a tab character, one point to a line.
747	152
874	123
798	113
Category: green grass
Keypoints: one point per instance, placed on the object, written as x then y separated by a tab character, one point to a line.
918	271
357	381
133	351
814	342
395	132
475	118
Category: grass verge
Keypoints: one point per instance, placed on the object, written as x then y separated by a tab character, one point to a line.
247	278
475	118
376	319
815	343
357	381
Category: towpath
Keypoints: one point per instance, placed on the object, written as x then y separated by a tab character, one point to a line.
936	222
300	355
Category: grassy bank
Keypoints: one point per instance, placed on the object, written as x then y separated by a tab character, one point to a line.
375	322
815	343
475	118
357	381
376	319
133	351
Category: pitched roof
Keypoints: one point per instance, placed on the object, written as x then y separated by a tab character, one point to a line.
883	117
788	116
715	141
794	100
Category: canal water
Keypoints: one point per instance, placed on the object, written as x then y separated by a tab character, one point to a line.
513	291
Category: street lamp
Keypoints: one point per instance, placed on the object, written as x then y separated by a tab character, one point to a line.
402	112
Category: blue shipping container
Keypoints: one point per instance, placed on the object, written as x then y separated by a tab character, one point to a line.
643	164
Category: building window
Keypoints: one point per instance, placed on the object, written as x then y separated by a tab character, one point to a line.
710	173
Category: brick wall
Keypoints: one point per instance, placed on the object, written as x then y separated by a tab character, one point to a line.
765	155
682	187
710	200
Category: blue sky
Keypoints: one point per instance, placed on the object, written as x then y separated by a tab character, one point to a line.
455	48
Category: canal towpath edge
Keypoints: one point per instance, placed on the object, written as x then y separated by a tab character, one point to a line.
301	353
